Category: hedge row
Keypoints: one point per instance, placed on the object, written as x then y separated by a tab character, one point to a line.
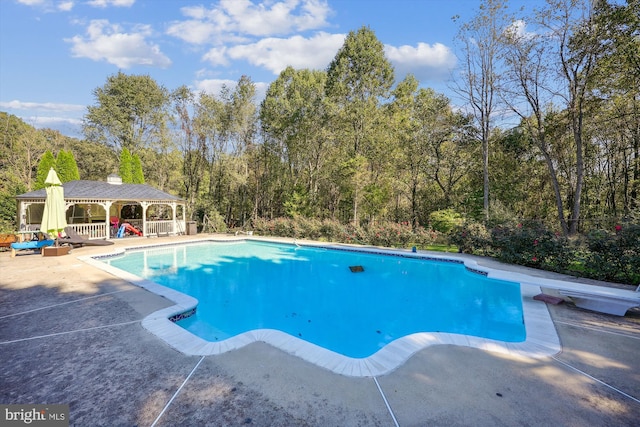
387	234
612	255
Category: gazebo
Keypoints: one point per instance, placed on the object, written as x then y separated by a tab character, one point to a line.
97	209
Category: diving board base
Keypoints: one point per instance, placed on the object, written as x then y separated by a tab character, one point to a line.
549	299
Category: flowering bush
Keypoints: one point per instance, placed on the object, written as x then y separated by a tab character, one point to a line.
331	230
262	226
614	255
423	237
531	244
389	234
308	228
471	237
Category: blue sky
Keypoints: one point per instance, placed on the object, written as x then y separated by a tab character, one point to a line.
55	53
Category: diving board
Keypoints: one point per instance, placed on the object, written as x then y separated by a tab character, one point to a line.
602	299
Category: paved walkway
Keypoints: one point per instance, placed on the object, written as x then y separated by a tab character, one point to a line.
70	333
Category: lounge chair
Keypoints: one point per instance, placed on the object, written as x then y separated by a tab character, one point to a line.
77	240
33	244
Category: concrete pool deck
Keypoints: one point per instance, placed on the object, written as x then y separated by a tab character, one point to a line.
71	333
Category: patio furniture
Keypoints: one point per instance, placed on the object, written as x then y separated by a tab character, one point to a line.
7	239
77	240
32	245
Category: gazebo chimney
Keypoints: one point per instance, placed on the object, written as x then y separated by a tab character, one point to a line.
114	179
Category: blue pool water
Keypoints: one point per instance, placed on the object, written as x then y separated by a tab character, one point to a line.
312	294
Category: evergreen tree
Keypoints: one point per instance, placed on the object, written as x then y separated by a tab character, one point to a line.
47	161
66	166
137	176
126	166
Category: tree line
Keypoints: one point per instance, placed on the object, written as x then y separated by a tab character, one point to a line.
549	130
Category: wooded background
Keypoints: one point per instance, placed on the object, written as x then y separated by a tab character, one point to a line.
549	130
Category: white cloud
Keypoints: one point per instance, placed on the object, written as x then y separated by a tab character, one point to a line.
52	121
214	86
108	42
33	2
42	106
231	20
275	54
65	6
195	32
424	61
107	3
45	6
217	56
518	30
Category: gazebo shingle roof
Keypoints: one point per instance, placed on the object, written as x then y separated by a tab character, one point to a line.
83	189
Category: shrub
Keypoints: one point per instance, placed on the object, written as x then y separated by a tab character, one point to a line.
614	256
423	237
261	226
309	228
216	222
283	227
445	220
471	237
531	244
353	234
389	234
331	229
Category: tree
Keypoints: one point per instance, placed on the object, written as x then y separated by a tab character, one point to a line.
293	117
47	161
358	79
240	127
66	166
570	25
617	86
95	161
191	141
478	83
130	112
137	176
126	166
528	75
22	147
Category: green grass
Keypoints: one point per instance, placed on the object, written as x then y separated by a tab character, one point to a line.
440	247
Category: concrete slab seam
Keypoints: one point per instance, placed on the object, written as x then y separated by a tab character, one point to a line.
62	303
595	379
386	402
69	332
177	392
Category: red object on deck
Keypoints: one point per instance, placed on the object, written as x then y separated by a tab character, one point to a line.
131	228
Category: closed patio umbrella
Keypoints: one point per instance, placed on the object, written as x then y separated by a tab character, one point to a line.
53	216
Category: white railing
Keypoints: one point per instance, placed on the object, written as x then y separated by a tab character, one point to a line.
160	227
93	231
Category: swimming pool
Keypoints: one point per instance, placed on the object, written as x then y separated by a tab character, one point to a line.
311	293
363	323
